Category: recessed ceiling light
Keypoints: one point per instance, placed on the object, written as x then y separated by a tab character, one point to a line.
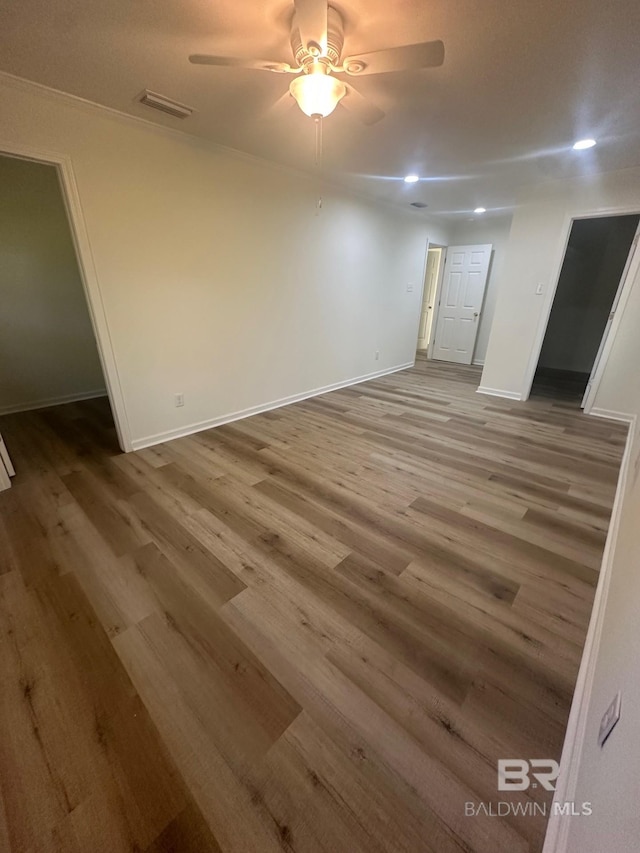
581	144
480	210
411	179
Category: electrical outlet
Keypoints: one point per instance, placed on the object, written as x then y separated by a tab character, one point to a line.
377	355
410	287
609	719
179	400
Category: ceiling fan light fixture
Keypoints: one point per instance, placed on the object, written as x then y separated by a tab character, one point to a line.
317	93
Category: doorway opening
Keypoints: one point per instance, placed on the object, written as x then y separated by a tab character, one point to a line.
49	351
591	277
433	270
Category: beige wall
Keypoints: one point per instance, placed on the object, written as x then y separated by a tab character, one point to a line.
217	278
608	777
536	247
619	389
494	230
47	347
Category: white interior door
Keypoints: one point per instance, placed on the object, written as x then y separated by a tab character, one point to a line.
463	286
429	295
603	343
6	468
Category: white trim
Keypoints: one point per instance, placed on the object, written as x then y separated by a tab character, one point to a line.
479	362
88	275
5	480
424	284
442	249
556	839
5	460
53	401
180	432
498	392
610	415
436	299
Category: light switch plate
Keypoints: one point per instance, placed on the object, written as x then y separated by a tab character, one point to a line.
410	287
609	719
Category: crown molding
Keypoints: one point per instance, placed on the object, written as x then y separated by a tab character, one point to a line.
21	84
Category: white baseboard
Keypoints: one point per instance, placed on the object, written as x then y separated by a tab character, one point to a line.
479	362
498	392
610	415
190	429
556	839
52	401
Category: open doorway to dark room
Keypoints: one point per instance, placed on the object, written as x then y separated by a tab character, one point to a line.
594	262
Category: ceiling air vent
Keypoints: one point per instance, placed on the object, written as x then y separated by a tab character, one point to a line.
165	105
419	204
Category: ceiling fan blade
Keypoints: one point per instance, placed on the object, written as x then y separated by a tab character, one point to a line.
360	106
281	106
312	19
428	54
239	62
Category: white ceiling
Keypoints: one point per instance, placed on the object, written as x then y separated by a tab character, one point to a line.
522	79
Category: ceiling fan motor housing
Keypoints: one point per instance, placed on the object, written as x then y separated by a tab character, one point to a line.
335	41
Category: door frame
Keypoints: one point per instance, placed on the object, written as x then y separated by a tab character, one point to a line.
88	276
608	336
436	296
430	247
565	233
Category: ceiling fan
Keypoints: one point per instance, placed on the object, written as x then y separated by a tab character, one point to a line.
317	40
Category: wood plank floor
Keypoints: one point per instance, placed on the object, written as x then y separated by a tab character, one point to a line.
316	629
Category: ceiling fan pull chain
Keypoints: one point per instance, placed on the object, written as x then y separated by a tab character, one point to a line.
319	129
318	122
